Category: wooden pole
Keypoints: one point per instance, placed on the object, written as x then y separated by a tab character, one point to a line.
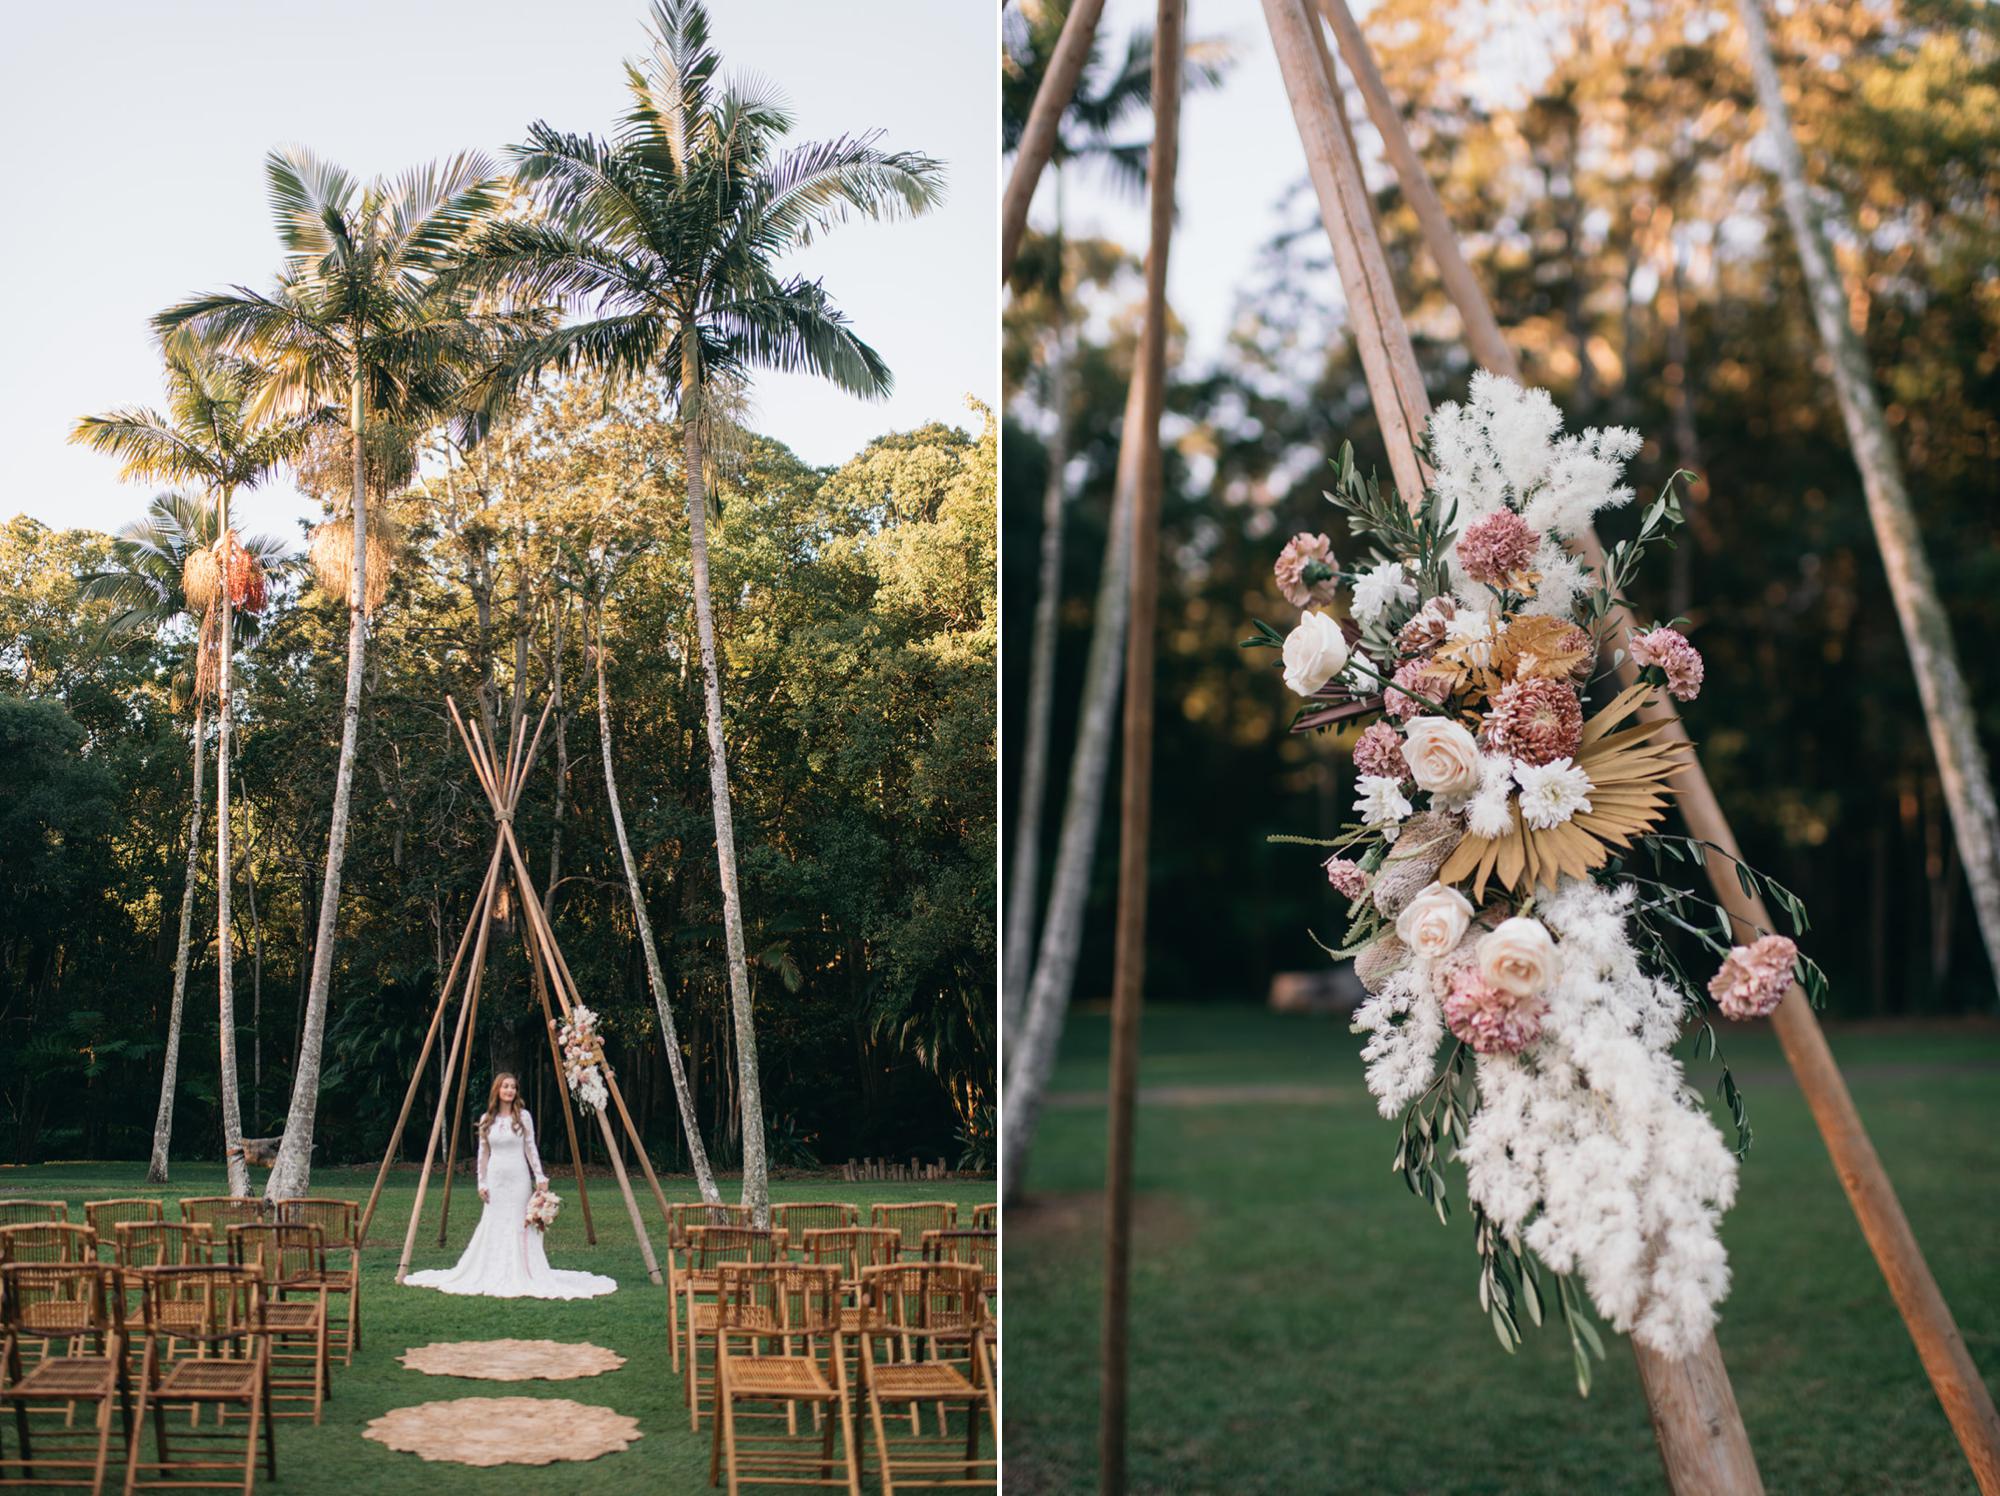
475	990
562	1090
1953	1376
430	1041
1040	135
1699	1430
1136	799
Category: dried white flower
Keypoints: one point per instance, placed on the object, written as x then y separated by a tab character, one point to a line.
1379	801
1552	793
1379	589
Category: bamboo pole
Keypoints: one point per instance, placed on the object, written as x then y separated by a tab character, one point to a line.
562	1089
1136	792
475	989
430	1042
1953	1376
1695	1418
1040	135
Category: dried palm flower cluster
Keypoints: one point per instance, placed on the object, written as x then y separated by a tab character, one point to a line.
206	571
1501	800
332	555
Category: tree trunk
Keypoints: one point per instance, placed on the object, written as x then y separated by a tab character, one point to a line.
655	978
1926	629
163	1120
1031	1056
1017	963
756	1170
232	1101
292	1175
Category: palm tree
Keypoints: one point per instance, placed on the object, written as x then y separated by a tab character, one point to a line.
204	437
357	326
666	241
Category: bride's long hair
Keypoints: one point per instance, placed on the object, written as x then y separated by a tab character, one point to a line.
494	1104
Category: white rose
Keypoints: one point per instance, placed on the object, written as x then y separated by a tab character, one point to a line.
1315	652
1433	923
1518	957
1442	756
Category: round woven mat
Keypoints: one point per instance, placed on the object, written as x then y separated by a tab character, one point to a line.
512	1360
504	1431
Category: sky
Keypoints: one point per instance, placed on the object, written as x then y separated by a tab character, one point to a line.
136	179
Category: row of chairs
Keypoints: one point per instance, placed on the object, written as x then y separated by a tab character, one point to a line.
205	1340
821	1316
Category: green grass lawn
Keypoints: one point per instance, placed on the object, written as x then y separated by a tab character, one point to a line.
1302	1324
335	1457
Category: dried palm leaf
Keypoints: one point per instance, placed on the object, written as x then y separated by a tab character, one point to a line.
332	556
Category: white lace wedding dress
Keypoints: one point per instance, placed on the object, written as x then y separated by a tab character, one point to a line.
505	1258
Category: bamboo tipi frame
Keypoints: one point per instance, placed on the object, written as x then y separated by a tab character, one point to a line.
502	784
1693	1408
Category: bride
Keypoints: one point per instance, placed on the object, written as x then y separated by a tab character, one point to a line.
505	1258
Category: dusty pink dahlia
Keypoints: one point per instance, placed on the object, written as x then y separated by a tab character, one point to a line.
1495	547
1754	978
1418	676
1380	751
1492	1021
1425	632
1347	878
1537	721
1669	649
1301	551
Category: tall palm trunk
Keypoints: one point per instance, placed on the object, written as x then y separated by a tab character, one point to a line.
1018	955
655	978
1962	768
756	1168
292	1174
163	1120
232	1101
1031	1056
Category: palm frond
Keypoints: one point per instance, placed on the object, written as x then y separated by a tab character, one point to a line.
813	187
312	202
794	327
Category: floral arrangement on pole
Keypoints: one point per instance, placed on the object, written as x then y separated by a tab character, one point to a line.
543	1208
1498	873
583	1060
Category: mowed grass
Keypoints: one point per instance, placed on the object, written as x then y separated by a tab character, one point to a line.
1303	1324
669	1457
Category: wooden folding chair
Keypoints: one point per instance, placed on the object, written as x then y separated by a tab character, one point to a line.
852	1248
106	1216
980	1249
911	1221
49	1243
339	1222
708	1248
986	1217
680	1219
220	1212
796	1219
148	1244
779	1342
221	1311
77	1303
33	1212
291	1260
917	1318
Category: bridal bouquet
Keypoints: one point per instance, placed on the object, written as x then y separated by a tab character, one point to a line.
583	1060
543	1209
1524	969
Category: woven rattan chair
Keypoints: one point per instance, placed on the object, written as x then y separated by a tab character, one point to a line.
339	1222
47	1241
291	1260
985	1218
76	1303
106	1216
220	1310
680	1220
795	1220
220	1212
911	1221
927	1340
980	1249
779	1346
32	1212
708	1249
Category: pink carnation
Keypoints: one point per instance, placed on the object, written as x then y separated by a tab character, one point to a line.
1494	548
1420	677
1380	751
1754	978
1669	649
1491	1020
1347	878
1301	551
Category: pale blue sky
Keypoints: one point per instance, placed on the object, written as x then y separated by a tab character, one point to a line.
135	179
